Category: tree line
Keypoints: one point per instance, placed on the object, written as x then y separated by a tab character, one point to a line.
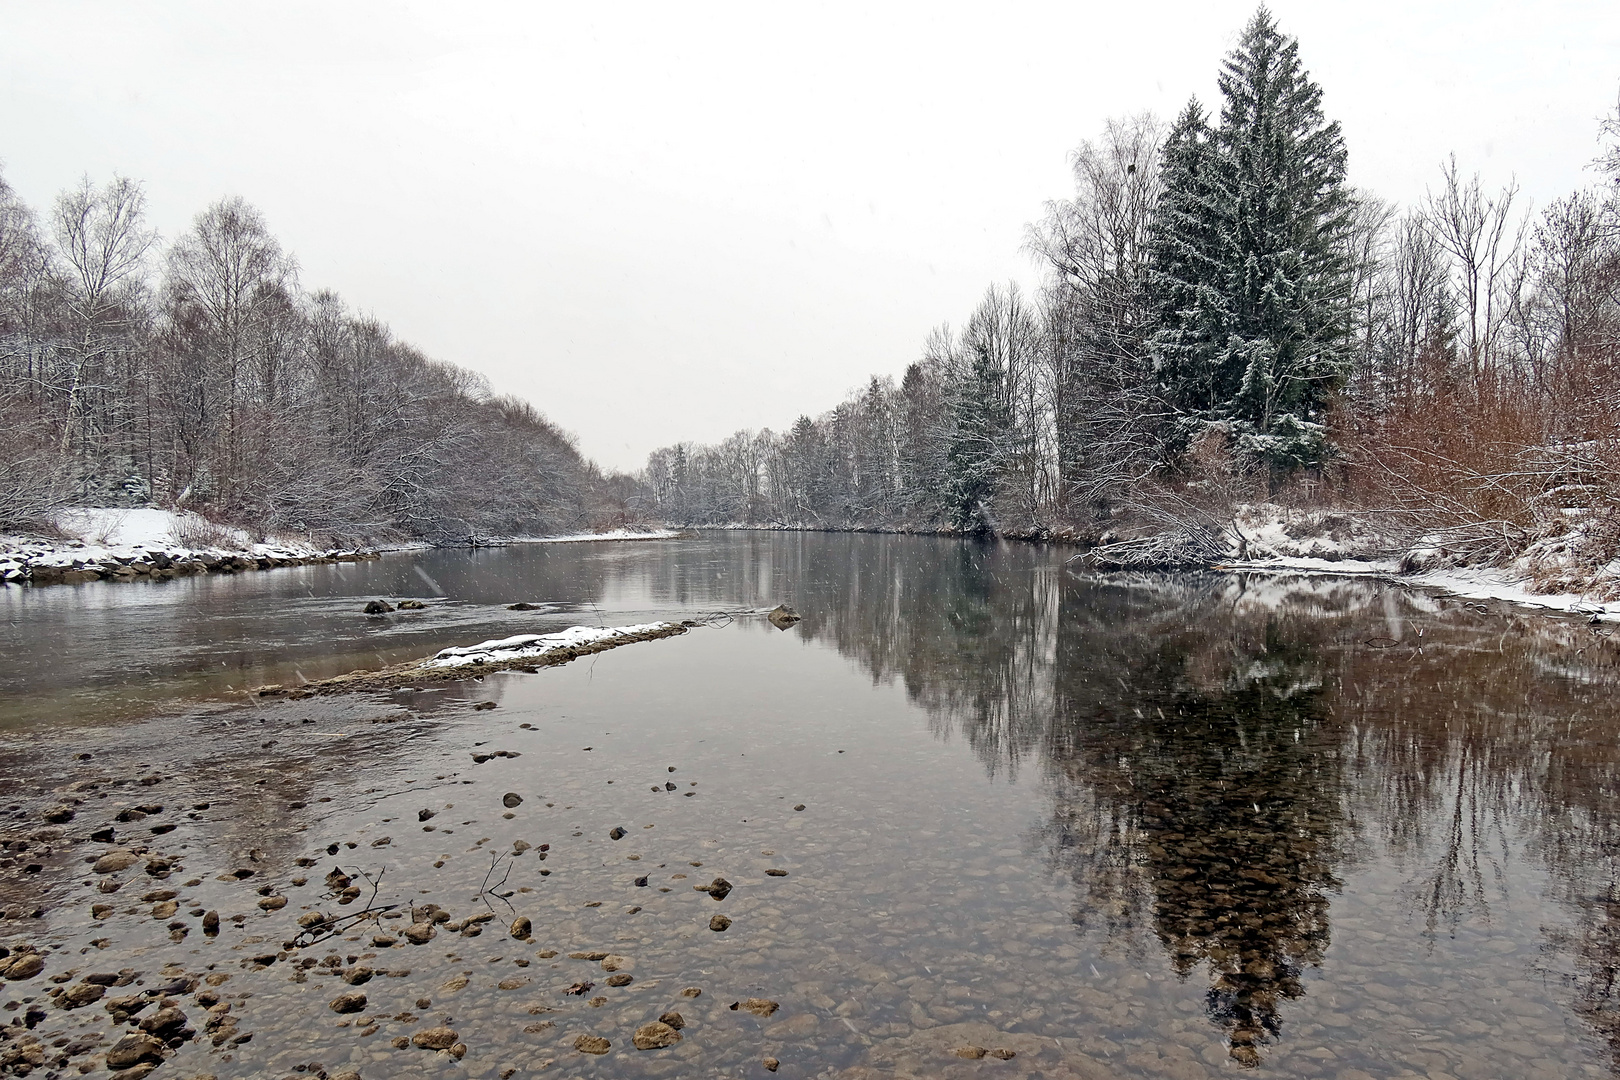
1222	317
200	374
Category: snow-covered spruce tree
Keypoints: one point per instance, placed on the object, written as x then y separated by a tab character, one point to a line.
1250	277
976	447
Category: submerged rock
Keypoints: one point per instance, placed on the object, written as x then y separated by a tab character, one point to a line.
719	888
655	1036
411	605
378	607
592	1044
114	861
434	1038
132	1050
760	1007
353	1001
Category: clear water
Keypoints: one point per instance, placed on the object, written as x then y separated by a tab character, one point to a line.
1125	827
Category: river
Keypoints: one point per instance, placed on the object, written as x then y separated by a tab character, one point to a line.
1139	826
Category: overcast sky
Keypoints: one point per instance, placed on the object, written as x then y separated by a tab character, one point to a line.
671	221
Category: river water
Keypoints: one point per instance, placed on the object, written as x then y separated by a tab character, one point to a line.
1142	826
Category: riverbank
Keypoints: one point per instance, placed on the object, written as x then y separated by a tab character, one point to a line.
1554	573
116	544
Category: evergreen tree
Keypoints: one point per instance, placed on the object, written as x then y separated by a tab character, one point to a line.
976	447
1250	275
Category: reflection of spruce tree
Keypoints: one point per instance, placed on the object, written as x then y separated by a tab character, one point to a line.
1238	823
1214	814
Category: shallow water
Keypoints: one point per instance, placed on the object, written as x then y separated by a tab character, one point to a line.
1140	827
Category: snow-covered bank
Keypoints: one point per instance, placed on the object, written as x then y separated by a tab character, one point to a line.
614	534
98	543
1276	540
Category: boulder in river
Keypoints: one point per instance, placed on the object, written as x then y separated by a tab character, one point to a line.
378	607
411	605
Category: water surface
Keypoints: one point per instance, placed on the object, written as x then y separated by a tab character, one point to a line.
1138	826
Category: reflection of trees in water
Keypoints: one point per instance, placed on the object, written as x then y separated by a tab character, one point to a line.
1197	787
1219	752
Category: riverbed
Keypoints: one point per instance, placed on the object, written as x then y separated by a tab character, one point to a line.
976	814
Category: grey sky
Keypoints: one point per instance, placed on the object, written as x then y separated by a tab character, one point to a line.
669	221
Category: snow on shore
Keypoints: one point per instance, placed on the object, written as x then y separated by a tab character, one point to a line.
1329	543
100	542
538	646
615	534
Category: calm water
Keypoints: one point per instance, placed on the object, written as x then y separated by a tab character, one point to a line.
1126	827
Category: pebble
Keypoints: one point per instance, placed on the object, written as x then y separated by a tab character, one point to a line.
81	994
419	933
771	1064
592	1044
114	861
25	966
799	806
616	833
353	1001
434	1038
719	924
522	928
655	1036
132	1050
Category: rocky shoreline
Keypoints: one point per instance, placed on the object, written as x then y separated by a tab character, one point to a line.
162	565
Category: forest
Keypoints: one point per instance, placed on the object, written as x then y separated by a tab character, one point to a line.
1222	321
200	375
